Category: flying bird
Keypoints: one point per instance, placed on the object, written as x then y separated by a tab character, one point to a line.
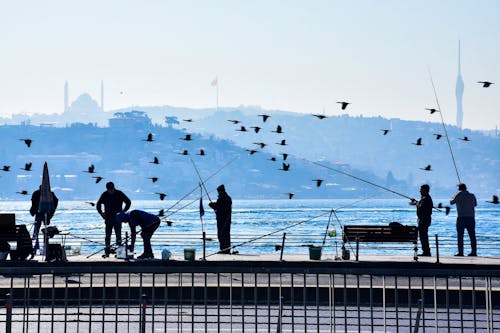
282	143
188	120
419	142
184	152
162	195
318	182
169	223
187	137
438	136
242	129
485	84
251	151
273	159
255	128
432	110
260	144
155	160
344	104
264	117
27	166
149	138
27	142
279	130
23	192
285	155
153	179
201	153
320	116
446	208
385	131
98	179
286	167
494	200
161	212
90	203
290	195
427	168
465	138
234	121
6	168
90	169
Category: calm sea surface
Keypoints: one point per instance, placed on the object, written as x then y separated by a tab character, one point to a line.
254	219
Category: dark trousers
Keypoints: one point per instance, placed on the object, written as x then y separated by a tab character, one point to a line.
224	235
36	230
469	223
423	234
110	225
146	235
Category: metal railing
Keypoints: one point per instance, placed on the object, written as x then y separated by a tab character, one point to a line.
226	296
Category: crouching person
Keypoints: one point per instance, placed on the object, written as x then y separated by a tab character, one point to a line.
148	224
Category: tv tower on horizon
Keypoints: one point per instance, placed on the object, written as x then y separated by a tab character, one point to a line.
459	92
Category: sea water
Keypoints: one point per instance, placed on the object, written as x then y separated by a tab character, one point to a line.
258	226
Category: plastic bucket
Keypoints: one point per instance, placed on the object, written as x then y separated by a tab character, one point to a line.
315	252
189	254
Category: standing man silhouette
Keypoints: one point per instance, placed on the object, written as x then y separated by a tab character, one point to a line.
222	208
466	203
113	201
424	213
40	217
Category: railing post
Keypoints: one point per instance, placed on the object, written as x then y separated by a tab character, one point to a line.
357	248
142	319
417	320
204	246
437	248
8	314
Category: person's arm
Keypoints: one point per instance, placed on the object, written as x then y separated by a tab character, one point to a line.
454	199
56	202
98	206
127	201
34	205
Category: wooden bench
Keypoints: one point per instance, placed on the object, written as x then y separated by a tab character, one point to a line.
380	234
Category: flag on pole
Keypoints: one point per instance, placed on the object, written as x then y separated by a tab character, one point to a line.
202	210
214	82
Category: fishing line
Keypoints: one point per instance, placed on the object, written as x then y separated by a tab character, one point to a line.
368	182
271	233
212	175
444	127
202	184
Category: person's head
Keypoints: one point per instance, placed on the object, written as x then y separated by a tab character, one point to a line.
424	189
462	187
122	217
221	189
110	187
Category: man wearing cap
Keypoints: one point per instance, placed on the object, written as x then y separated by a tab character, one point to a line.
222	208
148	223
113	201
424	213
466	203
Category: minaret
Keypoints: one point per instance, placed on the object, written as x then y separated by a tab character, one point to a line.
102	95
459	92
66	101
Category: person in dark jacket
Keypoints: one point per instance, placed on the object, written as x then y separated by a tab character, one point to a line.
424	212
148	223
40	217
113	201
222	208
466	203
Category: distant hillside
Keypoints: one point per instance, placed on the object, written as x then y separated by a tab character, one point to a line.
121	154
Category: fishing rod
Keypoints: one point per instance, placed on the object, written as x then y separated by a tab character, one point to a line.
368	182
186	205
208	178
444	127
202	184
269	234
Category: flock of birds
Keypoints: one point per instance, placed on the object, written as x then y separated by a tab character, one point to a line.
282	142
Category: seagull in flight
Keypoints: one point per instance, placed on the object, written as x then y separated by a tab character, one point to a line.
242	129
27	166
155	160
432	110
279	130
6	168
187	137
149	138
286	167
494	200
153	179
162	195
260	144
318	182
438	136
90	169
201	153
98	179
27	142
282	143
264	117
419	142
465	138
320	116
290	195
385	131
344	104
485	84
234	121
427	168
256	128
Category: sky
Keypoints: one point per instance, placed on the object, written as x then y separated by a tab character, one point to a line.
299	56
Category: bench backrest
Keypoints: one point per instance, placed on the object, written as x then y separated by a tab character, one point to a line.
380	234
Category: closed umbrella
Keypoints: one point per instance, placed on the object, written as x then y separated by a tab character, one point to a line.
46	205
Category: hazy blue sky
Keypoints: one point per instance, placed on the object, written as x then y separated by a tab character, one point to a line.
300	56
